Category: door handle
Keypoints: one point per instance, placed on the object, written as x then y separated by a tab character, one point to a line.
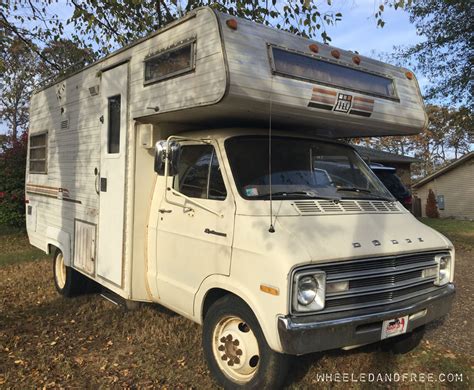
164	211
209	231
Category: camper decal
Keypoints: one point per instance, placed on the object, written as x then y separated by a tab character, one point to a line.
327	99
344	103
50	192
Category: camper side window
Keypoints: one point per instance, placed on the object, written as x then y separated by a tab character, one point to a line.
170	63
38	153
113	143
199	174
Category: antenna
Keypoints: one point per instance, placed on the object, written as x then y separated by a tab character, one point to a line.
271	229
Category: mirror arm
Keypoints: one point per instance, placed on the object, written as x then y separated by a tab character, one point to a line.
191	200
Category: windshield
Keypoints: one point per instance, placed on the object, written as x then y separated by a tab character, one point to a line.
301	168
392	182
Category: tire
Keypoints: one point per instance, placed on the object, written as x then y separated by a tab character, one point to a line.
235	348
403	344
68	282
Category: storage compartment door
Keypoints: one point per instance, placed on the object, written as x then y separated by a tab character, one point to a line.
84	246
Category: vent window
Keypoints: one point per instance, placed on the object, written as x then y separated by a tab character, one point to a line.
38	153
304	67
170	63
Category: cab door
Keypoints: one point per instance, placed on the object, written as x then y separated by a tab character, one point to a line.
192	242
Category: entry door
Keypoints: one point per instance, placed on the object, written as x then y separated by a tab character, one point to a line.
193	243
112	173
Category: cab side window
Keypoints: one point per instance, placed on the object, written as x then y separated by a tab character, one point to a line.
199	174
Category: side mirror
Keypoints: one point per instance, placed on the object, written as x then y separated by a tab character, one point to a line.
161	156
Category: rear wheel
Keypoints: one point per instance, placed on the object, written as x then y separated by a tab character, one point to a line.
236	350
68	282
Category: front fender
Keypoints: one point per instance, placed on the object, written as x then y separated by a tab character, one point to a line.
263	305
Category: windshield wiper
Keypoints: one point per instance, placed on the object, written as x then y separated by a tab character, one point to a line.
354	189
307	194
364	191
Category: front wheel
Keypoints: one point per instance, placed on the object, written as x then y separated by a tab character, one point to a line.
236	350
68	282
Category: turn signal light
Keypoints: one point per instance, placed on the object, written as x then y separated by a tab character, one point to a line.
231	23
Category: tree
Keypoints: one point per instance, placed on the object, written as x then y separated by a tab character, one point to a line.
16	81
431	208
447	137
445	56
12	179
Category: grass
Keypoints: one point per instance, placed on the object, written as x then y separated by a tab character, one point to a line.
51	342
15	248
461	233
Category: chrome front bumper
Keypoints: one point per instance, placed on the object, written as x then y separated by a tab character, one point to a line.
302	335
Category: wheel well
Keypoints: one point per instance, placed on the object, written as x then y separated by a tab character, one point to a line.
52	249
213	295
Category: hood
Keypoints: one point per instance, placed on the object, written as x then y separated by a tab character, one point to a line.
340	237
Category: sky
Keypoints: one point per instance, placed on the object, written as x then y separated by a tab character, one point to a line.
357	31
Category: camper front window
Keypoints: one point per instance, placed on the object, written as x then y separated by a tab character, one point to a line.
170	63
301	169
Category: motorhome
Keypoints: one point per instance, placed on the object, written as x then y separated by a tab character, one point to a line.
205	168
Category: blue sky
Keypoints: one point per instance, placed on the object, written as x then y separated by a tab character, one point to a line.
356	31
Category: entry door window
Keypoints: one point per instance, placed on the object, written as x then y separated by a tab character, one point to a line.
199	174
113	142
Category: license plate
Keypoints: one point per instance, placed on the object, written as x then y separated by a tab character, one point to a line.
394	327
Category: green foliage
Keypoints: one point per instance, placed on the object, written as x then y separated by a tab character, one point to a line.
431	208
445	56
12	180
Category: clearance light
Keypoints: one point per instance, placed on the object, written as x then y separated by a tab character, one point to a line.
314	48
409	75
335	53
231	23
356	60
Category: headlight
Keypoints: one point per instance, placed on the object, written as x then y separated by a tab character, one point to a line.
309	291
444	269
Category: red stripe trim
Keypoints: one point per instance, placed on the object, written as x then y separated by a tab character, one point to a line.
324	91
361	99
323	99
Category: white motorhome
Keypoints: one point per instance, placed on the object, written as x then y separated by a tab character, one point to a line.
199	168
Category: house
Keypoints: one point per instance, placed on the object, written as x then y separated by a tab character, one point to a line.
453	186
400	162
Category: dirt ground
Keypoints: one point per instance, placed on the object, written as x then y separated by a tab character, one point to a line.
47	341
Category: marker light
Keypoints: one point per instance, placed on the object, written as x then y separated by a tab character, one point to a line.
231	23
356	60
314	48
409	75
335	53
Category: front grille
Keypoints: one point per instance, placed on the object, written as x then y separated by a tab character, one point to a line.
378	281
